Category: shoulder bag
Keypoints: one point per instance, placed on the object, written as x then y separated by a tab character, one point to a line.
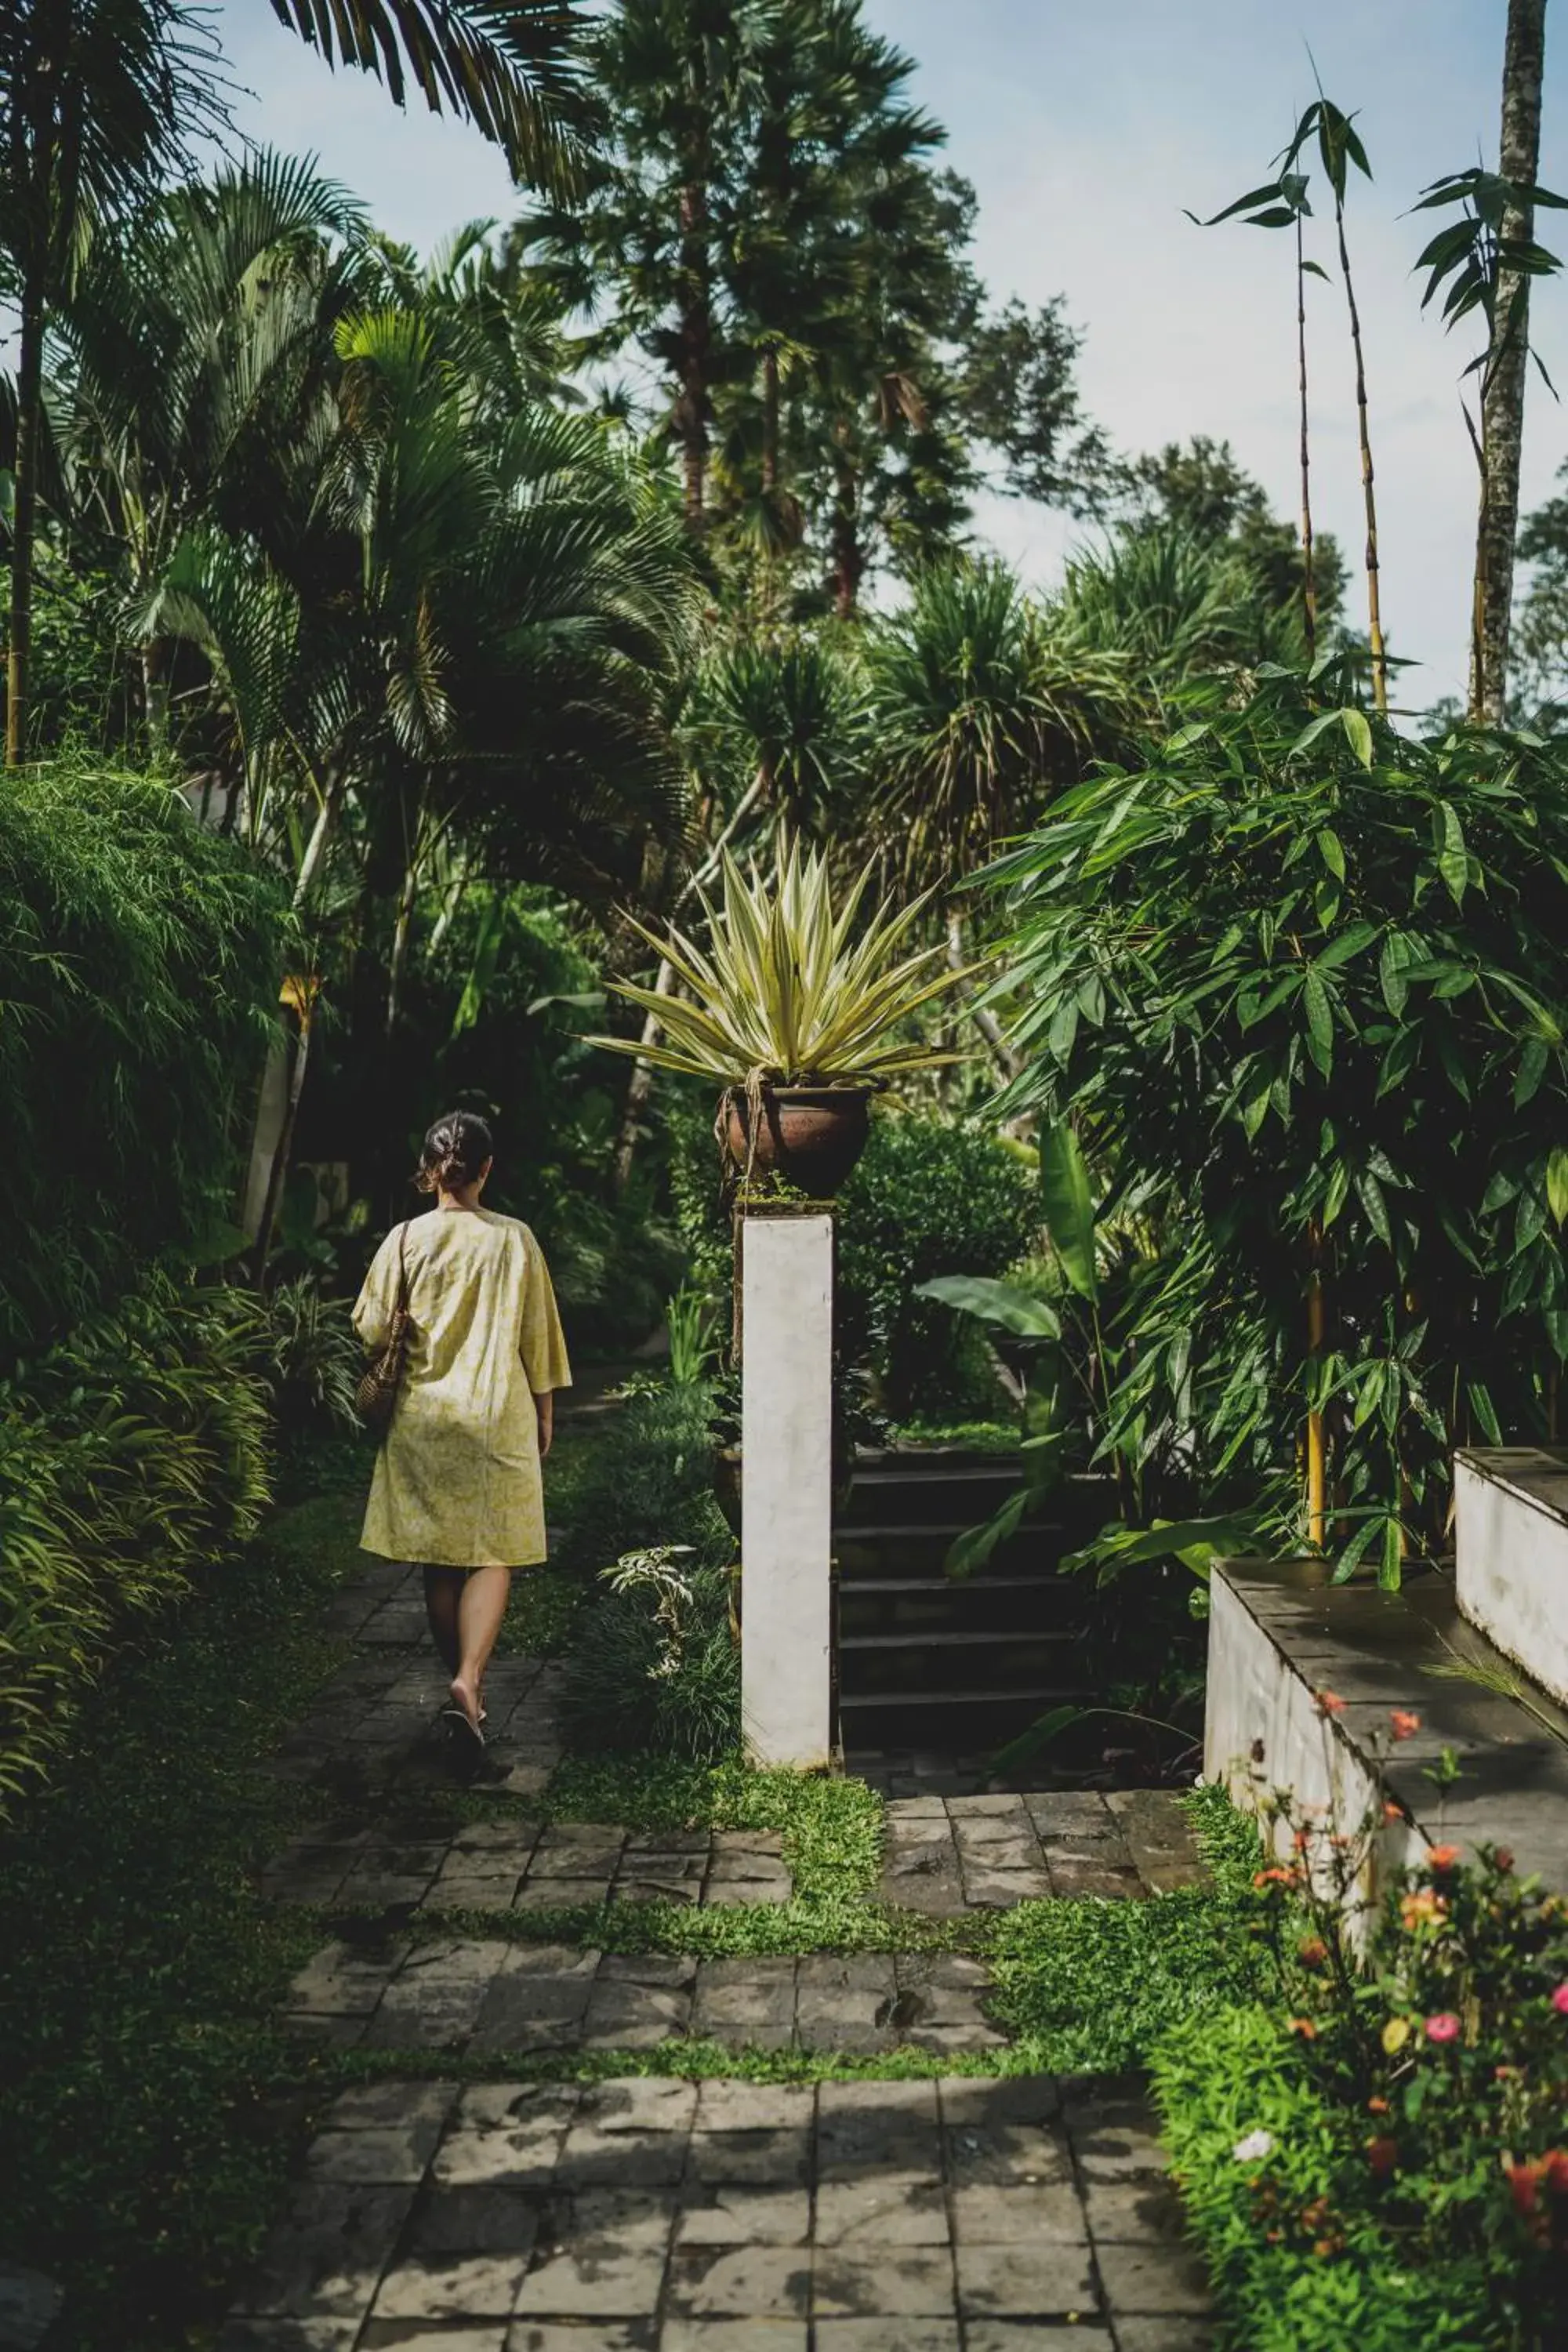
376	1395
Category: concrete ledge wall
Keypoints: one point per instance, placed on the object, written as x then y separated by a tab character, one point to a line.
1264	1732
1510	1508
1280	1632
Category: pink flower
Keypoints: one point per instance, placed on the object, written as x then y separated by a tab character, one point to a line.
1560	2000
1443	2027
1404	1725
1330	1703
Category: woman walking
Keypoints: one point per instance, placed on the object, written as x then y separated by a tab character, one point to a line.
457	1482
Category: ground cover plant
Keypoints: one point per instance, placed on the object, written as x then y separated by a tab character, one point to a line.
149	2103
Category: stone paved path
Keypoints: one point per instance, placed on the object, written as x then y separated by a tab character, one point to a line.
485	1997
983	1852
655	2213
650	2215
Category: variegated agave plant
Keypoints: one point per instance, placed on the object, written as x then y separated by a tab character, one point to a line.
786	992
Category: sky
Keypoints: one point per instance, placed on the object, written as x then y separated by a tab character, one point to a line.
1086	130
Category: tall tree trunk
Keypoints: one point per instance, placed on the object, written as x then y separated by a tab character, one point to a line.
1502	404
304	1006
849	559
1309	578
25	511
770	421
156	694
321	834
1369	496
691	405
400	937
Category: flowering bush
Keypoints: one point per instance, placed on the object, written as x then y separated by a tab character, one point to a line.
1442	2050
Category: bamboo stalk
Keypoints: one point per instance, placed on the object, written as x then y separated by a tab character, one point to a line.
1308	581
1317	1450
1374	597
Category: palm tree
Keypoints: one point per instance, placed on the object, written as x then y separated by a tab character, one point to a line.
1173	604
193	347
511	68
979	712
99	100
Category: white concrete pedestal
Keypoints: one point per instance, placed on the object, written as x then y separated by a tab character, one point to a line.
786	1487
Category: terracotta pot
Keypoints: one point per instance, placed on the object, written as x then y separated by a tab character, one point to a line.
811	1136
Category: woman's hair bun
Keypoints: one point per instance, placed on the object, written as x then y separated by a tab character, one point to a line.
455	1151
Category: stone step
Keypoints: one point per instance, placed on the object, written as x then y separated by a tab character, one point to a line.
909	1547
994	1604
910	1663
960	1488
665	2213
954	1721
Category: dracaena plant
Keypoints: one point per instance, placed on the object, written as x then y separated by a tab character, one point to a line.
787	989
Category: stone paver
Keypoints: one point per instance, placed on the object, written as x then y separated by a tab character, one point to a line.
512	1863
487	1997
944	1856
658	2215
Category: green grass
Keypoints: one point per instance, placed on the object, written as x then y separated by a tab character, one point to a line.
974	1436
832	1829
1092	1987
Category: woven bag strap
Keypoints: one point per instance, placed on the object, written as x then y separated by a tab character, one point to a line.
402	1269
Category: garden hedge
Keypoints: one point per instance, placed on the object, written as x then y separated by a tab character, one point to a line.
140	964
132	1456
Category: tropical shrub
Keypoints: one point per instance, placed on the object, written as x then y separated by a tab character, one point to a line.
1299	983
131	1457
138	964
929	1197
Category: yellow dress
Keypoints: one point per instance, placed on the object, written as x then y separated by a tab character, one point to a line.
458	1479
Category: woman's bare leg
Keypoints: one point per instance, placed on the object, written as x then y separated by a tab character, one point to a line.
443	1592
480	1609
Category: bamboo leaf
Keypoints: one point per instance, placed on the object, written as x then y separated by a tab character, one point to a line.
1449	840
1069	1207
1557	1183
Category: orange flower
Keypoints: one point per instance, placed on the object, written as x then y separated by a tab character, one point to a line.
1443	1857
1275	1875
1311	1951
1423	1908
1330	1703
1377	2106
1303	2026
1390	1811
1404	1725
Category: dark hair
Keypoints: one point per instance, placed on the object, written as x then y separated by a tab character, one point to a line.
455	1151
